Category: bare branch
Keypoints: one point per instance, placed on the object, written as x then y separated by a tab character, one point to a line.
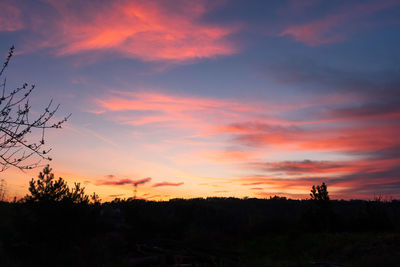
16	126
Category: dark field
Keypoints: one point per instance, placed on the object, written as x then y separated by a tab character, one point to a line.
201	232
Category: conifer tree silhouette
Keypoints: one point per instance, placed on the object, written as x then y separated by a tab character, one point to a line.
47	189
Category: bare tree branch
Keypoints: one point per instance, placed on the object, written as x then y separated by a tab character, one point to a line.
17	127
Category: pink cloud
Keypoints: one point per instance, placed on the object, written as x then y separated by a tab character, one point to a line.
197	113
210	117
148	30
165	103
215	115
326	168
339	138
317	32
10	17
335	27
352	139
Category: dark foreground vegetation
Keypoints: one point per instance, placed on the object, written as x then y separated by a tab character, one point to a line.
72	229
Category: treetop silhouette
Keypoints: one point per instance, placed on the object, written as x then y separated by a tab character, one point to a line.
319	193
48	189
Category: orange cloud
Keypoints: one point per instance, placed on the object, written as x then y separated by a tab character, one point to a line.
148	30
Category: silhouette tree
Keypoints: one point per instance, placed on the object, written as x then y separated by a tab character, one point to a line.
77	194
47	189
3	190
16	124
322	218
95	199
319	193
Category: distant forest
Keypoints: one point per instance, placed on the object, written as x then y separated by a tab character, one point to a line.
55	225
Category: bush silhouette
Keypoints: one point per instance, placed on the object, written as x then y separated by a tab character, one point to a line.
47	189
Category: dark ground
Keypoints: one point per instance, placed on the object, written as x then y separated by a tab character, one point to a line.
201	232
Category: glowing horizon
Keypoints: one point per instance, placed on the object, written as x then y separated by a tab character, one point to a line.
213	98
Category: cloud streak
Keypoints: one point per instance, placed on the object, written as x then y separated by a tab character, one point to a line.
356	178
117	182
141	181
166	110
334	27
125	182
167	184
343	138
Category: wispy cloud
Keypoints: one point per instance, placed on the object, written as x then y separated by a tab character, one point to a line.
334	26
141	181
166	110
167	184
343	138
10	17
117	182
303	167
125	182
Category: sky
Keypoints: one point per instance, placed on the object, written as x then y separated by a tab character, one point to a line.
205	98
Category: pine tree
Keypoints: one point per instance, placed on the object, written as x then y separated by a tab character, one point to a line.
48	189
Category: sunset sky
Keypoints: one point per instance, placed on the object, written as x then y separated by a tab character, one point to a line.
213	98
